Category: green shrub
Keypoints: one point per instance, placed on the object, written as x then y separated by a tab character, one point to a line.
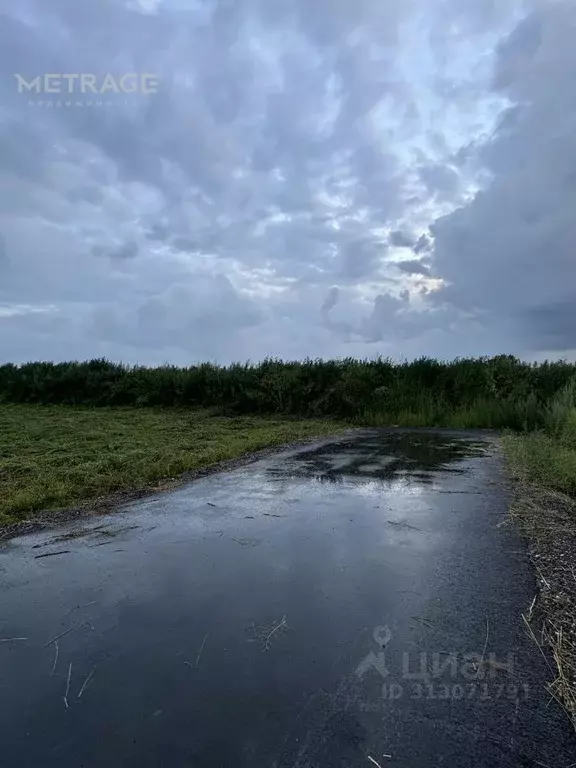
485	392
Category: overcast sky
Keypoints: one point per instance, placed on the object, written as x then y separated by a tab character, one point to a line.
310	178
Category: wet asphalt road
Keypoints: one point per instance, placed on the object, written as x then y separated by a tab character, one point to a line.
340	602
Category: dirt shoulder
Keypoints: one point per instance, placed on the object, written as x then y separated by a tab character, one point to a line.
548	520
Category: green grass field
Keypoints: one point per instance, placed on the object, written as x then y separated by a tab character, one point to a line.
54	456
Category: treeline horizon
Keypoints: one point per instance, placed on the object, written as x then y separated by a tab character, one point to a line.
492	392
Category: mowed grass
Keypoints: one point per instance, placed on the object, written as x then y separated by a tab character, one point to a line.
55	456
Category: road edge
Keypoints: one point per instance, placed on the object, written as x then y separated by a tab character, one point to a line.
113	502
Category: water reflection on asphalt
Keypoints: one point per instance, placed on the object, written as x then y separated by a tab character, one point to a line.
345	601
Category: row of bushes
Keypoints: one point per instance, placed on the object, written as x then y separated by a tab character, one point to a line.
485	392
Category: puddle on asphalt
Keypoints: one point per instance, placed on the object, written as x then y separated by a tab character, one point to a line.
414	457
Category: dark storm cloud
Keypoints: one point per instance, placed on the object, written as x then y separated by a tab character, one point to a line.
508	254
555	323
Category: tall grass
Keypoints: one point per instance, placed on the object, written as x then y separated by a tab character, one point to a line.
548	456
485	392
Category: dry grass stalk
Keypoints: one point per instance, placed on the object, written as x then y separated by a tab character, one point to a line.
67	686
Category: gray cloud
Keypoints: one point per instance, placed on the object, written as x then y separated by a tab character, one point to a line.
85	193
508	254
413	267
555	323
3	252
423	245
285	143
330	301
382	321
126	251
441	180
342	328
401	239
